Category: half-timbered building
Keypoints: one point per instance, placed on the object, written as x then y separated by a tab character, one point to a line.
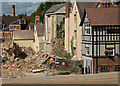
101	40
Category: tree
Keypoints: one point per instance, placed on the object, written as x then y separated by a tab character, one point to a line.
22	15
3	15
43	7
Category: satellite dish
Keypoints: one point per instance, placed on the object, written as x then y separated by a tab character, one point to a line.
115	2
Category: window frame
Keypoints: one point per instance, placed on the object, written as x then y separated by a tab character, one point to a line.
118	67
111	50
87	50
87	28
105	68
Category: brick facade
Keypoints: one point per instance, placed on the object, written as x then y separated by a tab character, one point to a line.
111	62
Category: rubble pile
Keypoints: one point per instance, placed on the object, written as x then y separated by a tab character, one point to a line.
19	60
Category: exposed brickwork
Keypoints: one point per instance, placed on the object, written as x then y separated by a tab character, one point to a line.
67	9
111	62
13	10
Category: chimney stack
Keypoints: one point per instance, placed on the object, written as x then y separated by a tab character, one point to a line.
105	3
37	18
67	9
13	10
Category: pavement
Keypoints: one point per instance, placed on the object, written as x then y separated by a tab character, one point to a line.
102	78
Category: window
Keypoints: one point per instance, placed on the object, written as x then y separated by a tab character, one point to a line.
17	27
87	50
3	35
104	68
48	15
111	51
75	51
87	28
11	27
75	34
87	25
14	27
75	18
8	35
117	67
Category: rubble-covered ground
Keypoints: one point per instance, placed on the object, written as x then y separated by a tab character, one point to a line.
19	60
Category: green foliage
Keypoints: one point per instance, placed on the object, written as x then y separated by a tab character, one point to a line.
22	15
3	15
43	7
60	30
58	49
72	48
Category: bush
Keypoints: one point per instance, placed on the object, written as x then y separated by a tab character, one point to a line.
58	49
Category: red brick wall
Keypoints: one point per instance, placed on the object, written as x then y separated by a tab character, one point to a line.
106	62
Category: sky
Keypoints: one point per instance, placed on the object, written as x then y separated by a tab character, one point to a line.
26	6
20	7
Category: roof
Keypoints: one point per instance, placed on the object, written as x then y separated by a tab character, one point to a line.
82	5
27	17
23	35
8	19
0	26
40	29
19	21
32	26
103	16
55	8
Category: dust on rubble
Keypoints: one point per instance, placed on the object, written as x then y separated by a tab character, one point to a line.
19	60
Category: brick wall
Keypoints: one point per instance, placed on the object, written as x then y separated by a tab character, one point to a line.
111	62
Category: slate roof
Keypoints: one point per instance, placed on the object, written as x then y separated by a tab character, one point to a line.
8	19
23	35
19	21
103	16
40	29
55	8
82	5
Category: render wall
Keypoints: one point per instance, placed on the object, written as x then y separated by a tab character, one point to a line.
75	26
25	43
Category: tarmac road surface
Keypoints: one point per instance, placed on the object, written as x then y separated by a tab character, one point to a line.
103	78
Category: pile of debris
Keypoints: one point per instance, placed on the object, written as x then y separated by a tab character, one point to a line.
19	60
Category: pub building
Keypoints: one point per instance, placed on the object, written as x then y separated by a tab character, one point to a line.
100	40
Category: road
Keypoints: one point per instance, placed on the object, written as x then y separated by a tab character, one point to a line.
103	78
